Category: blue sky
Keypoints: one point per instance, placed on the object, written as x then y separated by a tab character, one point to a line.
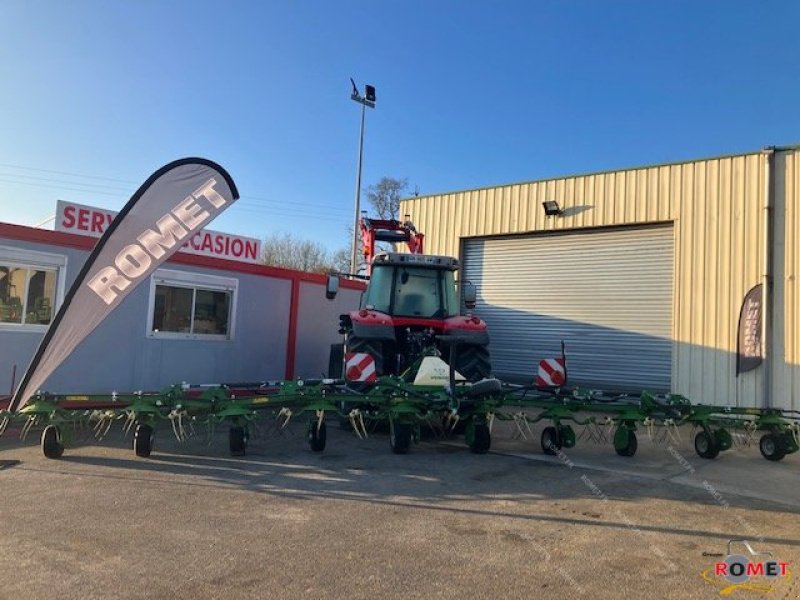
470	94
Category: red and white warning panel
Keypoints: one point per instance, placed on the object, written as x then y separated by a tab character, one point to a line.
359	366
552	372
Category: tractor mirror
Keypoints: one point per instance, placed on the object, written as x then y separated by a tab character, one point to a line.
470	295
332	287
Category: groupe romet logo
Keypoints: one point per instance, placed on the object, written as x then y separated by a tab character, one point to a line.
758	572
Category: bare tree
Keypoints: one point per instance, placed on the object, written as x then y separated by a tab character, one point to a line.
385	196
284	250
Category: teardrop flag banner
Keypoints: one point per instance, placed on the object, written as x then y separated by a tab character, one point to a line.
175	202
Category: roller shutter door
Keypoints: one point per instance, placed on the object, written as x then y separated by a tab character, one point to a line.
606	293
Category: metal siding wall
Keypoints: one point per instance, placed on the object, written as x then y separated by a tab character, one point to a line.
715	206
258	351
786	373
318	327
607	294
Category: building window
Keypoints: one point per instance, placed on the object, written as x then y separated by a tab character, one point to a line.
31	288
191	306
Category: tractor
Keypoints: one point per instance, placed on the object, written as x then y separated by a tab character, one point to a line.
411	308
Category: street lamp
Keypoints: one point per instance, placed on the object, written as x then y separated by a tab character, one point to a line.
368	99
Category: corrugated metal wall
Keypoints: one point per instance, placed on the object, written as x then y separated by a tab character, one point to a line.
786	372
716	208
607	294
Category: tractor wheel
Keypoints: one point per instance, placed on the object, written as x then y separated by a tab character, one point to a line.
400	438
317	437
631	446
143	440
336	361
368	346
705	445
482	439
237	440
551	443
51	442
770	447
473	362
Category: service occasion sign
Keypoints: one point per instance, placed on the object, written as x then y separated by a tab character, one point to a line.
92	221
168	209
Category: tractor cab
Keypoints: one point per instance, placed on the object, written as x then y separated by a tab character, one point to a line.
412	285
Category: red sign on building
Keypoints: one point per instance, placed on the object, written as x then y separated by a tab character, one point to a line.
93	221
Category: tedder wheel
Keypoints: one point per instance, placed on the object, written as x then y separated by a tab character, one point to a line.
317	437
482	439
551	443
770	447
632	445
400	438
143	440
237	440
51	442
705	446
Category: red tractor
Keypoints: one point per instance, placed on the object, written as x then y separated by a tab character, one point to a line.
410	306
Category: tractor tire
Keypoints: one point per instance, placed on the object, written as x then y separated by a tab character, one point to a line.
336	361
368	346
770	447
473	362
143	440
51	442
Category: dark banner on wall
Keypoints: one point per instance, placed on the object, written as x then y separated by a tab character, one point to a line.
748	345
175	202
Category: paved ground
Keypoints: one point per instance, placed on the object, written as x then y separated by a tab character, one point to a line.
359	522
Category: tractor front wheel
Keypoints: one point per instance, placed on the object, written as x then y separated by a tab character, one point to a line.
473	362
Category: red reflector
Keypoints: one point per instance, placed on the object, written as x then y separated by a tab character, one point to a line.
354	373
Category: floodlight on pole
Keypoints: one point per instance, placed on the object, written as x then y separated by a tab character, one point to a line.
367	100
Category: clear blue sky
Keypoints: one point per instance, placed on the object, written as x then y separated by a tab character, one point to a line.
470	94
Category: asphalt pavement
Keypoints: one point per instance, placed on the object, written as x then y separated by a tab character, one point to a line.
359	522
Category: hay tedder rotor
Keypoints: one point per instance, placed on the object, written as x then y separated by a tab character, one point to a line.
429	397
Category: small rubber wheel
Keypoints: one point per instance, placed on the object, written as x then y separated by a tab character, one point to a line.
317	437
143	440
631	447
400	438
51	442
237	440
770	447
551	443
482	439
705	446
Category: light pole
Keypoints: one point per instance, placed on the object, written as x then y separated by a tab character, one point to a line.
368	99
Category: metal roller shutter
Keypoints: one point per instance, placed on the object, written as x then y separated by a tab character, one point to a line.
606	293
